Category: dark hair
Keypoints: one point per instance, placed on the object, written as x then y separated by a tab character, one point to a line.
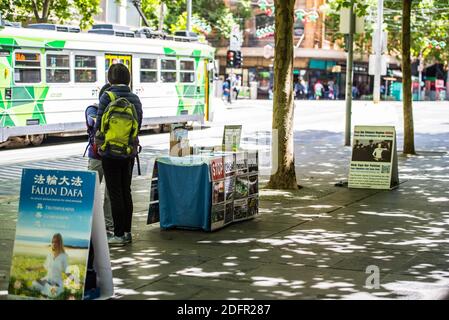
104	88
119	74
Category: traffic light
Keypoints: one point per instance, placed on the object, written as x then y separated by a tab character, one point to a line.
238	61
230	59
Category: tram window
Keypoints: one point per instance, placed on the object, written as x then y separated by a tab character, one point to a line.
85	69
187	65
27	68
148	64
187	71
187	77
148	70
168	70
168	76
58	68
168	64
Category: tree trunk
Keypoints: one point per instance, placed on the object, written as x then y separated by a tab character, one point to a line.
36	11
283	104
46	9
409	139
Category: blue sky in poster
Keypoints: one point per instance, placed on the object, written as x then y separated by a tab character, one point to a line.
54	201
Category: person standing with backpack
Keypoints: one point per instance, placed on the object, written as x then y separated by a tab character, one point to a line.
119	119
94	161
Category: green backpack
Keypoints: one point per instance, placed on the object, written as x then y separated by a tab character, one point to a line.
119	127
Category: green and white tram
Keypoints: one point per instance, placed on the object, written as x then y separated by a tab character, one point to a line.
48	78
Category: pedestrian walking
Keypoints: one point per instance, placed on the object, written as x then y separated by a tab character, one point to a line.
227	90
318	88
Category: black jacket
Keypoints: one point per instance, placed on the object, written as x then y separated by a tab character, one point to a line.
121	91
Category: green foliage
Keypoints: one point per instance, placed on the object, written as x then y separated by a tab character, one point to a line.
212	12
429	22
151	9
181	24
362	42
59	11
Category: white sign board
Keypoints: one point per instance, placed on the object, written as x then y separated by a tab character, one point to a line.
268	51
345	22
231	137
374	162
236	40
60	224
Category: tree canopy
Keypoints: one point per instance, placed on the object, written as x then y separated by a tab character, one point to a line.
209	15
429	25
60	11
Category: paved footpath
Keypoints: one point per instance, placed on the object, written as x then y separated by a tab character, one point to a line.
315	243
321	242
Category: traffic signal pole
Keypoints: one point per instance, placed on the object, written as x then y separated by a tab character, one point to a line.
189	15
378	52
349	74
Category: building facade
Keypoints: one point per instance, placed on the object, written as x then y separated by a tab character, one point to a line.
316	58
120	12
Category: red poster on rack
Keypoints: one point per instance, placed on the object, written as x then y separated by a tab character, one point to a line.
217	169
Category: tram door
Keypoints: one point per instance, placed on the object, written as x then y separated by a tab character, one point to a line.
111	59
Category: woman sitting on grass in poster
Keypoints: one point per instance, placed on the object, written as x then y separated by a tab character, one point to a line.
55	264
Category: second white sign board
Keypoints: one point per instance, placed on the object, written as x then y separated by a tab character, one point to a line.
374	162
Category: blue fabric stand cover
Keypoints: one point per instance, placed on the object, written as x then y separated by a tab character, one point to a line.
184	195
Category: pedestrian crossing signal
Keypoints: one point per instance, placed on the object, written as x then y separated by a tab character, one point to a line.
238	61
230	59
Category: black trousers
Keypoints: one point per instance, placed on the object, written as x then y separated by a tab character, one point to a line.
118	175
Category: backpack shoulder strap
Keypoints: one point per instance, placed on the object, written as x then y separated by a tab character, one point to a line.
111	95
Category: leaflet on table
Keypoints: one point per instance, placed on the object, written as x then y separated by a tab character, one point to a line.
217	216
241	162
253	161
179	142
217	168
238	191
374	158
240	209
241	187
231	137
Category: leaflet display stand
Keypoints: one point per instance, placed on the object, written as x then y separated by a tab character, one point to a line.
207	191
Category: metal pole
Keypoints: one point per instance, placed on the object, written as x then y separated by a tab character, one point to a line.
420	70
161	17
349	76
189	15
378	52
